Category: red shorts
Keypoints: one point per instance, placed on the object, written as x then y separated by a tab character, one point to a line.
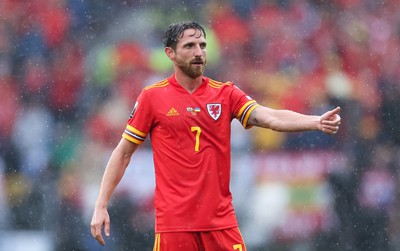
220	240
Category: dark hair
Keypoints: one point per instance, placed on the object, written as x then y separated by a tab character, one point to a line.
175	31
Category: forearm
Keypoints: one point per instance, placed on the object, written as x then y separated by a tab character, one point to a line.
112	175
114	172
283	120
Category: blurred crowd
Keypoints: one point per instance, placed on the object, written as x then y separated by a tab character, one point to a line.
70	71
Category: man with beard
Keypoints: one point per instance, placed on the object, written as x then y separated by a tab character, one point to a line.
188	117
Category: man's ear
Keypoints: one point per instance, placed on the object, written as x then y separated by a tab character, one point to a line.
169	52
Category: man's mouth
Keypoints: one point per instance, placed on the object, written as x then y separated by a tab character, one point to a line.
198	63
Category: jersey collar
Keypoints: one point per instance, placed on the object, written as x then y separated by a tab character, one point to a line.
172	80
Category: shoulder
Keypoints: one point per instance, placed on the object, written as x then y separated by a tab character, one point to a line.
224	86
155	90
156	86
218	84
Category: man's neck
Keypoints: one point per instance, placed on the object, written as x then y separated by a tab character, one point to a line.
188	83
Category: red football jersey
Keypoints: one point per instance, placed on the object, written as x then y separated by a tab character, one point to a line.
190	137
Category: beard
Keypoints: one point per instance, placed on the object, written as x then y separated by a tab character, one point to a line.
191	69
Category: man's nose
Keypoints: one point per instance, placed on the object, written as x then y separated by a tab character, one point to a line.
198	52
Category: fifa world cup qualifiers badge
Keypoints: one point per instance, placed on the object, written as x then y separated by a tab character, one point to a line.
134	109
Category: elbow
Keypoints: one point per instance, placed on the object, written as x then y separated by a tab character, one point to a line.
266	118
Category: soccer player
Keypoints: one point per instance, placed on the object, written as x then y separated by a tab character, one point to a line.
188	117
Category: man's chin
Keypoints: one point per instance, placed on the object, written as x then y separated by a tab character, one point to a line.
196	73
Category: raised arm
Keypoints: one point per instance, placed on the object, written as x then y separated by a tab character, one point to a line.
290	121
113	173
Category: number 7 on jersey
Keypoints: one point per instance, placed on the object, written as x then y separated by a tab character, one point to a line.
198	132
238	247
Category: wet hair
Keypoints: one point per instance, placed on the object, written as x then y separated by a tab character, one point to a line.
175	31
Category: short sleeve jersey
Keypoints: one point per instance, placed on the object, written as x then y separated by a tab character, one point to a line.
190	136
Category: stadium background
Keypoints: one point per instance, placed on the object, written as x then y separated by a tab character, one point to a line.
70	71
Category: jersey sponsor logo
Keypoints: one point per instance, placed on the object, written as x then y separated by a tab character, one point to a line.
134	109
193	110
214	110
172	112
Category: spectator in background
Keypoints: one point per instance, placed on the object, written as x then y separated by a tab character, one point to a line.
375	196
